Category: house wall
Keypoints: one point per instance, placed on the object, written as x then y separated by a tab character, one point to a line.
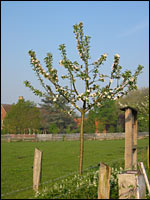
3	115
78	121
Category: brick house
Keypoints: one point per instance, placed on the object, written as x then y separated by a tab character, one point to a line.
4	110
78	122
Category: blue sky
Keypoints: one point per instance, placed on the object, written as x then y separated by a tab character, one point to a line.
115	27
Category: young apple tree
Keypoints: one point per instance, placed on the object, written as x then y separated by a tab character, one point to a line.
88	73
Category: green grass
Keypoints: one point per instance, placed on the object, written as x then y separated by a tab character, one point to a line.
59	159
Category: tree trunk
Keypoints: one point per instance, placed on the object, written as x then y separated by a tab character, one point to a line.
81	143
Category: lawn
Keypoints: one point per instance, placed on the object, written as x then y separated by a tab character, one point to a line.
59	159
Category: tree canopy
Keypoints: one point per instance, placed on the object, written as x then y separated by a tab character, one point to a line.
88	73
22	116
139	100
108	118
53	117
106	115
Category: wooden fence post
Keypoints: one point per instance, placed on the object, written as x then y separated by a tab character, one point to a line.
131	185
148	157
131	128
37	169
142	168
104	181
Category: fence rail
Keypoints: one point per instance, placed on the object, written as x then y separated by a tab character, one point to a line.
67	137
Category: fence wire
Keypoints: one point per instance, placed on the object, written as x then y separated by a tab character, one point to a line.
142	151
56	179
49	181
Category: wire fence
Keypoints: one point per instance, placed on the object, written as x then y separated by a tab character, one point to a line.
142	151
48	181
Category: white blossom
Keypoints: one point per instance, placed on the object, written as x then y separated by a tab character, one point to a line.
102	79
132	79
126	82
105	55
111	80
61	62
69	112
93	95
112	66
98	104
36	61
39	65
76	68
117	55
80	95
122	105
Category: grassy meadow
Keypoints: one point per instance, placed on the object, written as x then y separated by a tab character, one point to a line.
59	159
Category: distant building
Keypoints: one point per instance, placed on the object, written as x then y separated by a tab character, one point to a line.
78	122
4	110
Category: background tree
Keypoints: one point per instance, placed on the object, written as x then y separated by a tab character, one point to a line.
139	100
22	116
89	124
53	116
89	76
143	116
107	116
53	128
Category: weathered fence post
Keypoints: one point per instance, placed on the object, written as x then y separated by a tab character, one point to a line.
148	157
37	169
131	185
142	168
104	181
131	130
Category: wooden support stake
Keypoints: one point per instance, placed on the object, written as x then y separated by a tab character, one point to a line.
104	181
142	168
148	157
37	169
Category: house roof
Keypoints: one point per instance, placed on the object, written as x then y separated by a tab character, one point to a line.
6	107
